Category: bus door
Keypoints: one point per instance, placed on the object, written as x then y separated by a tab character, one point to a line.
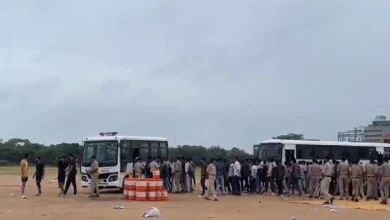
290	154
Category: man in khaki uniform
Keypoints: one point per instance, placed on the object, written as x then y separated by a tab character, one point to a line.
138	168
178	175
372	189
385	183
361	189
212	173
343	180
356	176
314	176
94	172
327	178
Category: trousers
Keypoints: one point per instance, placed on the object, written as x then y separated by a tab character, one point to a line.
325	187
94	184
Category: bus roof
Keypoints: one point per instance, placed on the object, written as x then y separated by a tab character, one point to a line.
303	142
136	138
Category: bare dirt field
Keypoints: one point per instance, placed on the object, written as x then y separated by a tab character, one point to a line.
182	207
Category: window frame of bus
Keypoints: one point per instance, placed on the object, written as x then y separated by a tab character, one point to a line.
313	150
161	147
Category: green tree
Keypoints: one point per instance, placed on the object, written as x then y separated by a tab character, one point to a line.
290	136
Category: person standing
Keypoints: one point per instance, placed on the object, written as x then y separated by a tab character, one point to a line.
178	175
61	175
356	175
24	174
270	180
138	168
296	177
187	176
94	172
236	177
212	173
203	176
253	179
153	165
372	189
314	176
327	178
362	180
220	166
192	171
279	174
385	182
344	175
72	172
39	174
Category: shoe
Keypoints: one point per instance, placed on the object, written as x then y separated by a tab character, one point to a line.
383	202
331	200
207	198
216	199
23	197
39	194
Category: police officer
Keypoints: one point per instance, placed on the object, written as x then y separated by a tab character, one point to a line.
371	171
138	168
344	174
385	182
327	173
314	176
361	190
356	175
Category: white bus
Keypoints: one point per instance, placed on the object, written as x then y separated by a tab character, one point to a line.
116	155
307	150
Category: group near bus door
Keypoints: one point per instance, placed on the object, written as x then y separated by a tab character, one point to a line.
131	149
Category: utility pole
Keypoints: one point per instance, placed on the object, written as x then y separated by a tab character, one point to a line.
355	133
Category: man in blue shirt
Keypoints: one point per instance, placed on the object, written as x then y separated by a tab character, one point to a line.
220	177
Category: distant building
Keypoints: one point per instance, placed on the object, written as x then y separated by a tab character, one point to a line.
355	135
19	144
378	131
1	140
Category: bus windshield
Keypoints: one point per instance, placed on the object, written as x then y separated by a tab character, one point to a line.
270	151
106	153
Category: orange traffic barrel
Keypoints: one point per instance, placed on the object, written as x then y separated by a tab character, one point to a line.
141	185
151	196
159	185
156	174
164	195
140	196
158	195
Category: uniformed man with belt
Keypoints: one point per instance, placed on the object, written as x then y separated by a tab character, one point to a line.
385	182
356	176
138	168
212	173
362	180
344	174
314	176
327	178
94	172
372	189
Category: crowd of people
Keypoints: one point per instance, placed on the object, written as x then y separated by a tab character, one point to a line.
316	178
327	178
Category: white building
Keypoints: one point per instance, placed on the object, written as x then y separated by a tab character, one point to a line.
354	135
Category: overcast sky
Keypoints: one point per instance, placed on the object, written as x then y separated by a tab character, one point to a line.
222	72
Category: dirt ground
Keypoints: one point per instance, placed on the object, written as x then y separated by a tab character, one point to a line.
182	207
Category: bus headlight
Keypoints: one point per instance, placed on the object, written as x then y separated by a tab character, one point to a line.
113	178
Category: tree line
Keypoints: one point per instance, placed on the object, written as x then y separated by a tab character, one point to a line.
13	150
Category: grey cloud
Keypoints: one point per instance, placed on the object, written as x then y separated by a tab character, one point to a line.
220	72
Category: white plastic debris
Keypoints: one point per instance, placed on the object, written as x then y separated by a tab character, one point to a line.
119	207
333	210
153	212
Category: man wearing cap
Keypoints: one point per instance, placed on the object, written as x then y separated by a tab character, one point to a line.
94	172
138	168
72	172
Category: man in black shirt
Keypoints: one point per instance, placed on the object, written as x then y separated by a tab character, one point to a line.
39	174
61	164
72	171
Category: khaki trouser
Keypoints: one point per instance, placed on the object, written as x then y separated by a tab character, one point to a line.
361	188
325	187
372	189
344	184
384	187
313	184
355	187
178	180
94	184
210	187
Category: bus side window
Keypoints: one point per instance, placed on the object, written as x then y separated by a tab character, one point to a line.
144	150
163	149
154	149
126	155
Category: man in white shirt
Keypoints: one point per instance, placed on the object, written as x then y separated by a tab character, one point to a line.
187	176
254	178
236	177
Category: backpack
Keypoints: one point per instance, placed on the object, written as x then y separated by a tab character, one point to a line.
191	169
